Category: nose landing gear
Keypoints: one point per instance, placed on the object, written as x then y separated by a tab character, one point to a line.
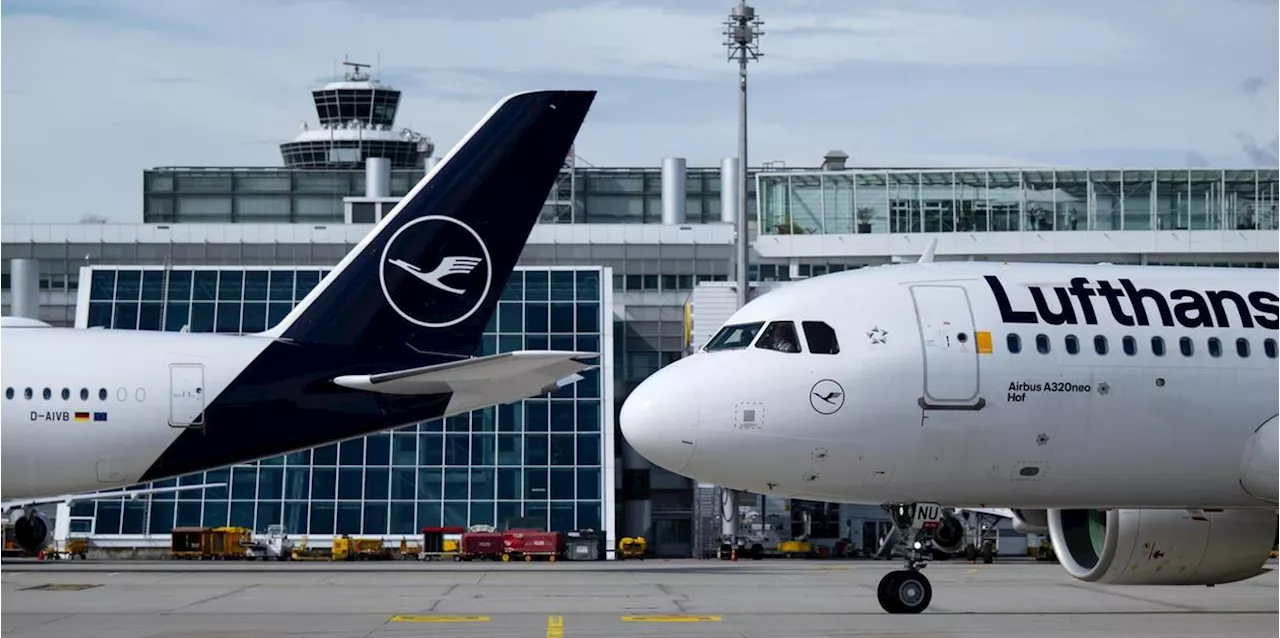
904	592
907	591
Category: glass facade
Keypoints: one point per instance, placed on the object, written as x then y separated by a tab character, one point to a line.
909	201
281	195
548	457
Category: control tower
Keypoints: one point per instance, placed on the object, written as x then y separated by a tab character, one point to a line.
356	118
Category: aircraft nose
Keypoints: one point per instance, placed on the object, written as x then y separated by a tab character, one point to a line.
659	417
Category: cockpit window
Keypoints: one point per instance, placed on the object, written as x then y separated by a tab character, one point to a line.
780	336
734	337
820	337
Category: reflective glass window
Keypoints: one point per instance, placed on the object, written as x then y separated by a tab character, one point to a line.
734	337
780	336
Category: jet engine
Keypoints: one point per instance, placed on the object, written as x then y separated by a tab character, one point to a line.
949	537
1031	521
32	533
1162	547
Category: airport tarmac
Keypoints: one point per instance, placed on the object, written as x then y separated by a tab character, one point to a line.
702	599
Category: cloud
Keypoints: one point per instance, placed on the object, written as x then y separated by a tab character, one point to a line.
98	90
1253	85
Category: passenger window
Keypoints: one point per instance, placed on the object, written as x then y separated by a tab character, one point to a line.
1269	347
1157	346
1242	347
1187	347
821	337
8	393
1073	345
26	394
102	394
1042	344
48	394
84	394
1014	343
1100	344
66	394
780	336
1130	345
734	337
1215	347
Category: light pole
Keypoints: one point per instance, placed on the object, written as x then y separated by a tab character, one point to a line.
742	33
742	30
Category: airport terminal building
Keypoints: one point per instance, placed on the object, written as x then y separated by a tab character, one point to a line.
632	262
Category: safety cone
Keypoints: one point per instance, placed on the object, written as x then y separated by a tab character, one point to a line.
733	555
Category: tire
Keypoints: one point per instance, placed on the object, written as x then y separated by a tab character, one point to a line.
904	592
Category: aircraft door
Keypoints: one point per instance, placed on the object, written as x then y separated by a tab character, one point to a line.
950	347
186	395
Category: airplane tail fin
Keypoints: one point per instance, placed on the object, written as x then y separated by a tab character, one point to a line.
427	278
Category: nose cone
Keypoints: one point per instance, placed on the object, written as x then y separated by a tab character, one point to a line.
659	417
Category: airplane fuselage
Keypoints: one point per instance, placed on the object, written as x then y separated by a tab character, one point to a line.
162	404
936	405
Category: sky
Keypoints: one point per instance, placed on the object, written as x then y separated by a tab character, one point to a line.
96	91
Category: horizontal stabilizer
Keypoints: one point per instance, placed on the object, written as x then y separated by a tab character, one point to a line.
498	378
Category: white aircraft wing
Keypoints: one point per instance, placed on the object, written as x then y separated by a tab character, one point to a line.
1020	524
94	496
990	511
488	380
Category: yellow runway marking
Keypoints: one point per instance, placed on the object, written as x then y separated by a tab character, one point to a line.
555	626
439	619
671	619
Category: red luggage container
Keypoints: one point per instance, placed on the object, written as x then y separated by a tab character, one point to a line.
529	543
481	545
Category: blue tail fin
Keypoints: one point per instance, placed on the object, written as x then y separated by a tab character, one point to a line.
428	276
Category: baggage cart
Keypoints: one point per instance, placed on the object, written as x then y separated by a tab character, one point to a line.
439	543
481	546
530	544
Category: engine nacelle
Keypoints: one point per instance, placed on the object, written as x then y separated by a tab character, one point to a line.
1259	461
32	533
1031	521
949	537
1162	547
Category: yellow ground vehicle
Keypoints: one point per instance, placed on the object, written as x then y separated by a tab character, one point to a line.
302	552
347	548
795	548
228	543
410	551
631	547
188	542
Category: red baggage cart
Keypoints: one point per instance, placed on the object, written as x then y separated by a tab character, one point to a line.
528	544
481	546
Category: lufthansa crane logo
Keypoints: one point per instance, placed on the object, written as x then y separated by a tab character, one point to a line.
826	397
435	271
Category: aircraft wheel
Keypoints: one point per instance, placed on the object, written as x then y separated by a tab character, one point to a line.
904	592
988	553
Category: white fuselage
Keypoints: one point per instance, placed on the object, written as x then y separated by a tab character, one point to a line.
1024	429
48	451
